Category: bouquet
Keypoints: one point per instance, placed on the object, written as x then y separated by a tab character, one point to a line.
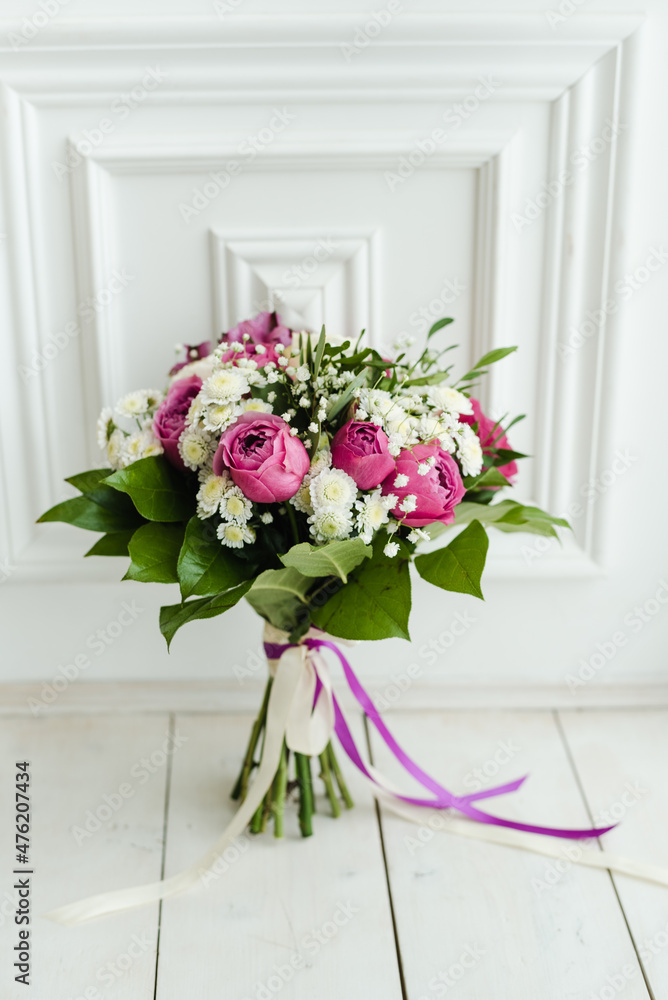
303	474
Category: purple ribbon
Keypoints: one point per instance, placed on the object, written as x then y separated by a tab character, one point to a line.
441	798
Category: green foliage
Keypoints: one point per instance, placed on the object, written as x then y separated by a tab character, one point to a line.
115	544
154	550
332	559
279	595
82	512
174	616
376	601
458	566
156	488
205	567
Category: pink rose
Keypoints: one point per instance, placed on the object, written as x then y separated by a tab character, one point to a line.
491	436
265	329
360	449
171	416
194	352
437	493
262	457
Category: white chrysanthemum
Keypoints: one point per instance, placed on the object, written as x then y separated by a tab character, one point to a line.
256	406
141	444
373	511
116	449
329	525
332	489
469	451
218	416
195	448
202	368
235	536
234	506
302	498
321	460
446	398
137	403
391	549
210	493
103	426
225	386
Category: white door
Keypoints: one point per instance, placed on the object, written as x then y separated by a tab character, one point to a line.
164	179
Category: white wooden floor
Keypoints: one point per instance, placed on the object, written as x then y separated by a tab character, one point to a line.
369	907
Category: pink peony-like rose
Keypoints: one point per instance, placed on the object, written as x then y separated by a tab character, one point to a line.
491	436
171	416
194	352
360	449
262	457
266	329
437	493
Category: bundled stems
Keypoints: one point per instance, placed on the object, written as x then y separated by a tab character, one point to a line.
273	803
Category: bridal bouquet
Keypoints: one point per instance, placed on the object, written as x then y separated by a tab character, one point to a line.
303	475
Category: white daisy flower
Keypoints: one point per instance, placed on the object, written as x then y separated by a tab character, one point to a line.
225	386
116	449
235	536
141	444
210	494
327	525
469	451
234	506
257	406
391	549
194	448
137	403
332	489
105	425
302	498
217	417
373	511
450	399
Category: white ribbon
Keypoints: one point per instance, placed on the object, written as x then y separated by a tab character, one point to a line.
307	729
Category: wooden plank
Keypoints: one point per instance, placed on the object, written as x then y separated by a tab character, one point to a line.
319	903
75	763
489	921
622	761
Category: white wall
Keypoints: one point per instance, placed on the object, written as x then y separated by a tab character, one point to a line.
323	176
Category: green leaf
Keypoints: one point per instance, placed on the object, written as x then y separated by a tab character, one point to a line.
92	485
156	488
319	351
332	559
438	325
174	616
204	566
85	513
376	601
278	595
490	477
115	544
154	550
457	567
488	359
87	482
347	395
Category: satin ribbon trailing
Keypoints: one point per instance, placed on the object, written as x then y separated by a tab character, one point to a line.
304	710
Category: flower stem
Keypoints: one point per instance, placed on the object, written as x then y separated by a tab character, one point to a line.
293	521
343	788
303	767
241	787
326	775
281	784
